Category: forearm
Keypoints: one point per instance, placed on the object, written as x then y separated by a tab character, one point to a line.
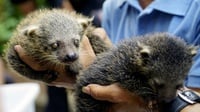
195	89
191	108
1	72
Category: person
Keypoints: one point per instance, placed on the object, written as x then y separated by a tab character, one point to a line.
128	18
24	7
92	8
146	16
138	17
87	8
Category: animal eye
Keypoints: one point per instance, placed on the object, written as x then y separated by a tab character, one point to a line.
55	45
76	42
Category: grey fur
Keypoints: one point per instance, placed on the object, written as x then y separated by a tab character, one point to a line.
52	37
151	66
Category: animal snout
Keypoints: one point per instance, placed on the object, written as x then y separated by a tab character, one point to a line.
71	57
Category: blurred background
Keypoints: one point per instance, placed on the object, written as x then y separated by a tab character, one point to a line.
49	98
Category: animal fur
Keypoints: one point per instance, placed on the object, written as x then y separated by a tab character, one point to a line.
52	38
151	66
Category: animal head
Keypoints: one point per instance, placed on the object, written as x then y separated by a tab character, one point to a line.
166	61
58	34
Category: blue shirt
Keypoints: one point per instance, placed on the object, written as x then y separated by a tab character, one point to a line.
125	18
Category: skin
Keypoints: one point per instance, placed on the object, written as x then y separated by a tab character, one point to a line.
144	3
123	101
27	7
67	5
1	72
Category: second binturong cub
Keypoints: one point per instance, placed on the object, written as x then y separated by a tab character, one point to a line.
152	67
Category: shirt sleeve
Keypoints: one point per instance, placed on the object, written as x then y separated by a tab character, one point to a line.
105	18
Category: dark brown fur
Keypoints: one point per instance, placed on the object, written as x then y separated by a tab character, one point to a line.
51	37
152	67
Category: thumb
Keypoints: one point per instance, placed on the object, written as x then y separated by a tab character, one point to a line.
27	59
19	51
87	54
112	93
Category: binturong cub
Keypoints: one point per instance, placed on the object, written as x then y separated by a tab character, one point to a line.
52	38
152	66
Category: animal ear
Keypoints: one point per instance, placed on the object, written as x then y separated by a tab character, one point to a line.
30	31
85	22
193	50
144	50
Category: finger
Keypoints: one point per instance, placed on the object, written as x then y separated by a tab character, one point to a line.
87	54
20	51
112	93
100	32
27	59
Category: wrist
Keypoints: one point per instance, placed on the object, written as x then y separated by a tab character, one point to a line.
184	99
191	108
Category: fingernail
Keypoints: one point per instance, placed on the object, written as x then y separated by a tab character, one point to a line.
86	90
16	47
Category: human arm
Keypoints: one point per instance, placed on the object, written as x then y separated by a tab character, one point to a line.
66	4
1	72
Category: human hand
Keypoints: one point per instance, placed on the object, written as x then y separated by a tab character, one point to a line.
86	58
100	32
64	80
28	59
123	100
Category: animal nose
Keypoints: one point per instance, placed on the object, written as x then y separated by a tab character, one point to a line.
71	57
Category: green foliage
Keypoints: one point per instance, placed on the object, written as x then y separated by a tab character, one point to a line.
41	3
7	22
9	18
